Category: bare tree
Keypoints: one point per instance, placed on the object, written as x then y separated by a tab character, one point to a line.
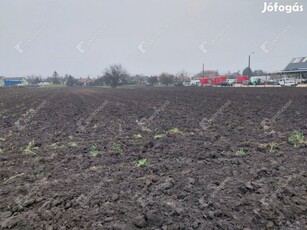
152	80
259	73
166	78
181	77
115	74
32	79
55	79
71	81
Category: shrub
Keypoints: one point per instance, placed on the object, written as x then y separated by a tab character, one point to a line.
240	152
94	150
296	138
117	148
142	163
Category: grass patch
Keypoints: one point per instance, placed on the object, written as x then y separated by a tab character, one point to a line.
137	136
159	136
240	153
175	131
31	148
94	150
73	144
40	160
117	148
53	86
142	163
273	146
30	111
296	138
103	86
56	145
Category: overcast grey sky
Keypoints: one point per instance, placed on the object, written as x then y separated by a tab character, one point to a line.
82	37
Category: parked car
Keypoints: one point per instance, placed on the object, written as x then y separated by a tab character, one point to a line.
179	84
225	84
231	81
273	82
256	82
287	82
247	82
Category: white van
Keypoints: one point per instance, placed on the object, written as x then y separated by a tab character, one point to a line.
231	81
287	82
262	79
195	83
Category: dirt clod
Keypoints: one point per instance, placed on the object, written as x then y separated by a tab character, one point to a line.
139	221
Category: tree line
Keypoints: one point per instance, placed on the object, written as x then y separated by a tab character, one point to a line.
113	76
116	75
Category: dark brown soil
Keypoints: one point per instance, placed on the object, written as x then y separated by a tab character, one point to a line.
71	163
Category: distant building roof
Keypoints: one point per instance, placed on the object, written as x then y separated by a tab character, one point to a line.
86	80
297	64
14	78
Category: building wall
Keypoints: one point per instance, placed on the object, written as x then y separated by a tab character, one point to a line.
296	76
13	82
25	82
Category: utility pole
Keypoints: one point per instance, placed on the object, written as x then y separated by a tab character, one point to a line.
249	59
203	70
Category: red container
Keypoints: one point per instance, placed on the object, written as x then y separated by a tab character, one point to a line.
205	81
219	80
240	79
